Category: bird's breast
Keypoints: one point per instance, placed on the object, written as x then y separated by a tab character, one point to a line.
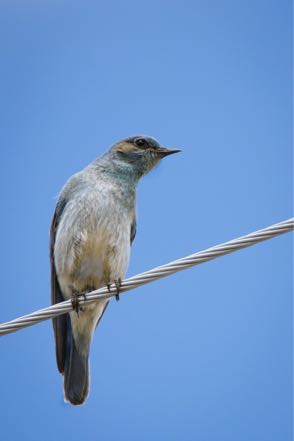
92	245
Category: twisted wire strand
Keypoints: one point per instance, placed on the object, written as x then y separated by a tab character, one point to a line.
151	275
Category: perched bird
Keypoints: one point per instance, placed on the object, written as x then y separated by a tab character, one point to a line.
92	230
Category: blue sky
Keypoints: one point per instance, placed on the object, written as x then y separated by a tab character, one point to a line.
205	354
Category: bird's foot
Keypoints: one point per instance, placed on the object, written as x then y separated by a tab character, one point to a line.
117	283
75	301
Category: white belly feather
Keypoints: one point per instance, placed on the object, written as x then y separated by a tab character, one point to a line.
92	249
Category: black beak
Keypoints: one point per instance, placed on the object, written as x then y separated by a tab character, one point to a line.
163	151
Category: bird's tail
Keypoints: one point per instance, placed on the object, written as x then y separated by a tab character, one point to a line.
76	371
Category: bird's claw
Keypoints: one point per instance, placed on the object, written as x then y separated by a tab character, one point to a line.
75	301
117	283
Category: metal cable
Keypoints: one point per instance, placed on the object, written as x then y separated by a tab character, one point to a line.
153	274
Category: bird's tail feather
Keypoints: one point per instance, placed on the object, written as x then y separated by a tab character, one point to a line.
76	371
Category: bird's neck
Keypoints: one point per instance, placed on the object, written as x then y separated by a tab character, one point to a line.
112	166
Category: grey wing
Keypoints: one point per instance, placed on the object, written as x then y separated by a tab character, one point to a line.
133	230
59	323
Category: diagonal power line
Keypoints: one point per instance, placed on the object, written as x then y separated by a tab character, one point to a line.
151	275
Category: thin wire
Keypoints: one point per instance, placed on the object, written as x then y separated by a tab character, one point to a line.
151	275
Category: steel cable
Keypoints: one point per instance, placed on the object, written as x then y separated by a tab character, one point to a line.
149	276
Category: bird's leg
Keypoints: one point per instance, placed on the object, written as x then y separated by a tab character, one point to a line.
117	283
75	300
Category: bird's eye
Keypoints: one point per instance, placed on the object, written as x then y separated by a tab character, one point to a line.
140	142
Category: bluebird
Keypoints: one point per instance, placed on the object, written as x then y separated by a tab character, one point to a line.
93	227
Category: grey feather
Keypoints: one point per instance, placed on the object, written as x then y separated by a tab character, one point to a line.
76	371
133	230
59	323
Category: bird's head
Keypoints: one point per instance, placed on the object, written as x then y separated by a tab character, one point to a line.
141	152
